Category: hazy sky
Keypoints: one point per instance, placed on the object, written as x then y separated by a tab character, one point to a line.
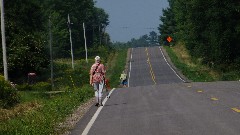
132	18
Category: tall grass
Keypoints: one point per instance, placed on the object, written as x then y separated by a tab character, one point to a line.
194	72
117	63
51	109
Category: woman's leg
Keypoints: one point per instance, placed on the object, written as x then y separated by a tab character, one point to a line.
101	86
96	88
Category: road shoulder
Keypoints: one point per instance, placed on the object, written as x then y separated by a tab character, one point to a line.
173	66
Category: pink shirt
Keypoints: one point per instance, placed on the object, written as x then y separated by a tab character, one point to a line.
99	73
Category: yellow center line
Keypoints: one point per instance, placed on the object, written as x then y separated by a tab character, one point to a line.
236	110
214	99
151	70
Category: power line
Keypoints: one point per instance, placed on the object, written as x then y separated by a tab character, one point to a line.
128	27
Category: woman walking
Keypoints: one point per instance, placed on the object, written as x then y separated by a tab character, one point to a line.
97	77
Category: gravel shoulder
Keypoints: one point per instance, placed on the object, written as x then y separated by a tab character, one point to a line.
72	119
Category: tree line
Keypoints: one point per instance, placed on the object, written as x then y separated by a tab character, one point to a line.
210	30
27	24
146	40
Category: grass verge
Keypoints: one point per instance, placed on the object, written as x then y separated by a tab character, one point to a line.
41	115
117	63
194	70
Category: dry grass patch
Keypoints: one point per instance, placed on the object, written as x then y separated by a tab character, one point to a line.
183	55
18	110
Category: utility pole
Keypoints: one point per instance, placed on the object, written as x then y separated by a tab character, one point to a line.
104	36
51	57
70	32
85	42
4	42
106	39
100	34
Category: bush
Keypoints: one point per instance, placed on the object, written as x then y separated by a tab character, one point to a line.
230	76
42	86
24	87
8	94
66	76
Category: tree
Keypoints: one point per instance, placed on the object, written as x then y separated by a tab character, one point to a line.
24	36
144	40
208	29
27	31
153	38
95	20
167	28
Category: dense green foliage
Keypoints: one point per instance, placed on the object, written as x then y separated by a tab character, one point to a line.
39	86
167	28
24	37
64	75
8	94
210	30
80	12
29	22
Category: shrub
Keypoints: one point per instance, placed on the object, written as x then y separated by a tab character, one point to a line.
230	76
8	94
42	86
66	76
24	87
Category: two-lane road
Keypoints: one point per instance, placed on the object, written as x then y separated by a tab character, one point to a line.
158	102
148	66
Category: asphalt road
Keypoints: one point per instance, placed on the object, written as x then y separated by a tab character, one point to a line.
159	102
149	67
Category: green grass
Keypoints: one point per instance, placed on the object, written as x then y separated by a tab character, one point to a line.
118	66
52	110
39	113
194	73
195	70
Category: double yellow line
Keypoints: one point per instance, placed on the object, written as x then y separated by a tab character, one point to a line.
151	70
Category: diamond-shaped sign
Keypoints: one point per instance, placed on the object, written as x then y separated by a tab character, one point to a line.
169	39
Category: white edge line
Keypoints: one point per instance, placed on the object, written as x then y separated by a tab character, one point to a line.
130	67
171	66
90	123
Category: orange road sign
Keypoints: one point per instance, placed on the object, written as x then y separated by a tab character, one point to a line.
169	39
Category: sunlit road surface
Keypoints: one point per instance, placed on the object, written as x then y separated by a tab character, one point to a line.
159	102
149	67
